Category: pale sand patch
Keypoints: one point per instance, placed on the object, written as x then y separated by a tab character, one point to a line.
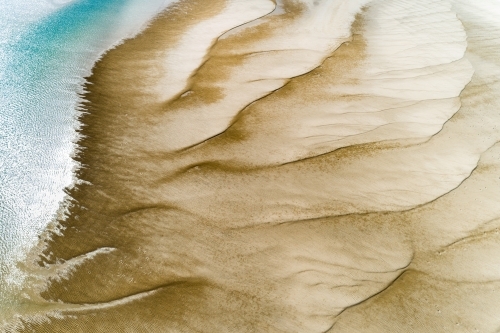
190	51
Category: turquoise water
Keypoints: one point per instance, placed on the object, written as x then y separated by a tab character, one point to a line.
46	48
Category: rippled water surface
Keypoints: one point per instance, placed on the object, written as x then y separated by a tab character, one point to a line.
46	48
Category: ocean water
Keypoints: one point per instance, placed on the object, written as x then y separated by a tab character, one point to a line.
47	47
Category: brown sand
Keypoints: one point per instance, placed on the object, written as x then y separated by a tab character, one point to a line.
282	183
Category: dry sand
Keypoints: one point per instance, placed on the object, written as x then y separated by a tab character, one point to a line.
300	166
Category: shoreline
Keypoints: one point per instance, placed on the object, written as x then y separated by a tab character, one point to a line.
95	50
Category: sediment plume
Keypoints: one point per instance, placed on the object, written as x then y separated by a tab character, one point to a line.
285	166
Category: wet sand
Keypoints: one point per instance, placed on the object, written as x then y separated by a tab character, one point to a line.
299	166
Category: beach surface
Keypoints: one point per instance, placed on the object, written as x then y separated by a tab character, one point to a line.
284	166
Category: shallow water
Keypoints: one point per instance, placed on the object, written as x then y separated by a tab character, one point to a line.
46	48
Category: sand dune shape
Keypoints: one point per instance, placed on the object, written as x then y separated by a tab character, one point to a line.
301	166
